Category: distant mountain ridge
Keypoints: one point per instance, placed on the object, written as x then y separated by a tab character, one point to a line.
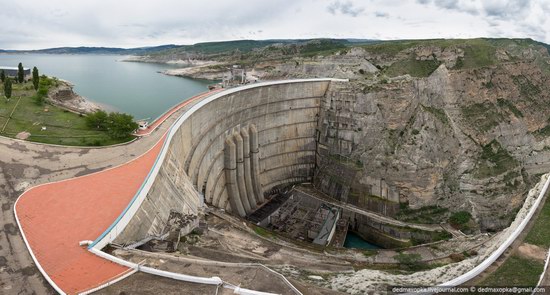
204	47
95	50
208	48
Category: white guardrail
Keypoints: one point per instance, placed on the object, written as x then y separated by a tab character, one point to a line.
135	267
111	282
544	270
215	263
495	255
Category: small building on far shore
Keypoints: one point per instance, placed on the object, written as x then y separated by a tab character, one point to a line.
12	71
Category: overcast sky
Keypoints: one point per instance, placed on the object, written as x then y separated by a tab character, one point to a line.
33	24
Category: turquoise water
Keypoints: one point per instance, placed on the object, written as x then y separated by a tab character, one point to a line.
355	241
134	88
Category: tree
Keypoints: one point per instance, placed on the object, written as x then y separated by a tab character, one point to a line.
2	76
7	88
97	120
117	125
20	73
35	78
120	125
460	217
460	220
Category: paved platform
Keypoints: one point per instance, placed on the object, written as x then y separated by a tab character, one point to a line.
171	111
55	217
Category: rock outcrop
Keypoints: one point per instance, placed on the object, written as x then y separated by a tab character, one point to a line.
466	139
63	95
460	124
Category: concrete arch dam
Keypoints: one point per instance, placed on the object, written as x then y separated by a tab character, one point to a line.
229	150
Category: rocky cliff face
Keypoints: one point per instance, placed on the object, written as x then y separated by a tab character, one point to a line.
64	96
464	138
460	124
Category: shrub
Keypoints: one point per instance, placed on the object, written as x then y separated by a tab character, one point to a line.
120	125
38	99
43	91
97	120
117	125
457	257
369	252
460	218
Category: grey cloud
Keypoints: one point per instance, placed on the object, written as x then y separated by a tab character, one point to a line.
493	23
28	24
532	31
507	8
57	12
466	6
135	25
447	4
346	8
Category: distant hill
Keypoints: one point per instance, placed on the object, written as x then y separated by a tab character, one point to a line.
208	48
256	49
96	50
248	45
220	47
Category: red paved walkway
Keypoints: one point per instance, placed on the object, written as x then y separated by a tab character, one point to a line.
162	118
55	217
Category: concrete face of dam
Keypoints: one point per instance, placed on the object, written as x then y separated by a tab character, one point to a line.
231	151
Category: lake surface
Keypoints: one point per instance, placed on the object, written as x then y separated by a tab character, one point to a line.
355	241
129	87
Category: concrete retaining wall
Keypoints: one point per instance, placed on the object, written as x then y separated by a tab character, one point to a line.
191	165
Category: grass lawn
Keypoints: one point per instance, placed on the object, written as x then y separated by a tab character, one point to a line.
413	67
62	126
516	271
540	233
520	271
477	52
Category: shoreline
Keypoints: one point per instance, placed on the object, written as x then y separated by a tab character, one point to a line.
65	97
189	68
195	72
189	62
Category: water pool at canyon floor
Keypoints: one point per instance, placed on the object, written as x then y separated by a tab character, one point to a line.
355	241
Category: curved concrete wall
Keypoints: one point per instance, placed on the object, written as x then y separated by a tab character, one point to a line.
191	170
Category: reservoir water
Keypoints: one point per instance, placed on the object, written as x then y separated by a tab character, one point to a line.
353	240
130	87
